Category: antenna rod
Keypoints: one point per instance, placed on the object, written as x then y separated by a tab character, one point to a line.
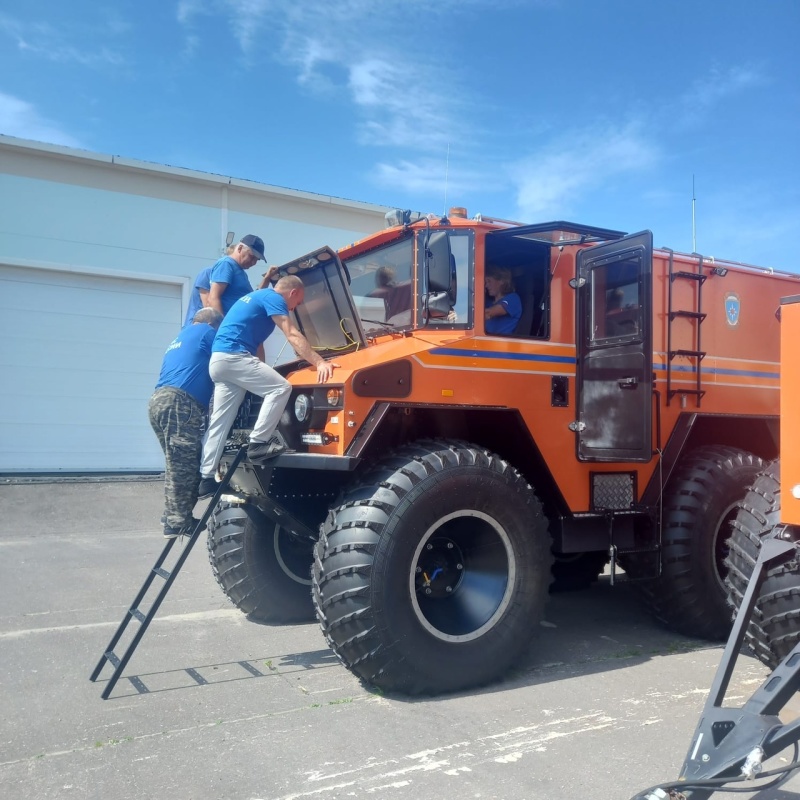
694	226
446	173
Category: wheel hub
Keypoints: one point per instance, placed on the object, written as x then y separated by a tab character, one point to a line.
462	576
440	568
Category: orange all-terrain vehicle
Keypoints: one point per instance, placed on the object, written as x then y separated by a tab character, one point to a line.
447	475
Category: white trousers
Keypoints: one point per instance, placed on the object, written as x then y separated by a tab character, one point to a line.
235	374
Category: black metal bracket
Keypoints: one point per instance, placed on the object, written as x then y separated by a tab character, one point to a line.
728	738
288	521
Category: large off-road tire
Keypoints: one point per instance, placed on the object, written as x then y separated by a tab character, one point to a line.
774	627
264	572
575	571
432	575
699	505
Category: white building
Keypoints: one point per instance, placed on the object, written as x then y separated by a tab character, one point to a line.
97	257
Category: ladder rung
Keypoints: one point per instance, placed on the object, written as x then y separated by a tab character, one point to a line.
691	314
111	656
162	573
134	612
691	353
691	276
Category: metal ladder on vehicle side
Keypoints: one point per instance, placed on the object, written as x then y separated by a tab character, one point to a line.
697	316
134	612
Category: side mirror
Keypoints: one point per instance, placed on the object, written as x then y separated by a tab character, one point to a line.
437	305
438	261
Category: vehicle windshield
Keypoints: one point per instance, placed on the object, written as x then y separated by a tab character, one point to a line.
387	292
382	284
326	316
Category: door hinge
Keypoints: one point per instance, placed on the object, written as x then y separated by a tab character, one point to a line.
577	427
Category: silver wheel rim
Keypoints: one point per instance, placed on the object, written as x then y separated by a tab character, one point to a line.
290	572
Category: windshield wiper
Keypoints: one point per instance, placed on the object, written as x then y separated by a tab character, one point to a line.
379	322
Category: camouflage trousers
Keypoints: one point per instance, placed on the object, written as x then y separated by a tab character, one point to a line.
179	422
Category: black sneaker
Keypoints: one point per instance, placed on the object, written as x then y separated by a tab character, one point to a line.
206	488
187	529
258	452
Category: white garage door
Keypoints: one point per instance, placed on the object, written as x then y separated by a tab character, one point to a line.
79	358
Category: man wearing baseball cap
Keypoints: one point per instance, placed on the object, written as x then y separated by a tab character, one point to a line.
228	280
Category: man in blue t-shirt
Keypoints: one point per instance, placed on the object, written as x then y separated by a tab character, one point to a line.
199	295
177	410
229	279
237	368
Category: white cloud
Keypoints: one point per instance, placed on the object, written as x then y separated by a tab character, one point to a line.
719	85
308	56
429	176
554	179
408	98
359	49
21	119
187	9
713	90
42	40
399	105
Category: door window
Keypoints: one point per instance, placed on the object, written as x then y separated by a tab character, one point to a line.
616	309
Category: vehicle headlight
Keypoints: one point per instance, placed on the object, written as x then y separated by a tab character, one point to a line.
333	396
302	407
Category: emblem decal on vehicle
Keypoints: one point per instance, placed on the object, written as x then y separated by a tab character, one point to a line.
732	307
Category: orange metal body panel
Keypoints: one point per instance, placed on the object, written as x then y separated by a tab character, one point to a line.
740	373
790	412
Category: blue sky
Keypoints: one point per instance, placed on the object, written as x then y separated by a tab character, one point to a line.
594	111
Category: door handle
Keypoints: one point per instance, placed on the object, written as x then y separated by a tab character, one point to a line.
628	383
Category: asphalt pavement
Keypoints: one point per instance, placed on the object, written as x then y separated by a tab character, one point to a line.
214	706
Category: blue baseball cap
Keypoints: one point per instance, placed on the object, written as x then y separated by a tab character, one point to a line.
256	244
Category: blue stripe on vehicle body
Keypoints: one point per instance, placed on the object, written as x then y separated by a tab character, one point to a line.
551	359
742	373
454	351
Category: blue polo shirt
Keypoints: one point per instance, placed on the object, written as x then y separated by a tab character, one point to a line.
506	324
226	270
202	281
185	364
249	322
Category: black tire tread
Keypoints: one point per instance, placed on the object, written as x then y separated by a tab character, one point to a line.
256	587
682	597
343	559
773	630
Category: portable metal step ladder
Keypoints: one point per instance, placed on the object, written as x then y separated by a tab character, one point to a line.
145	618
696	315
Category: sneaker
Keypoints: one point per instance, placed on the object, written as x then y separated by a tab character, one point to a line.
206	488
264	451
187	529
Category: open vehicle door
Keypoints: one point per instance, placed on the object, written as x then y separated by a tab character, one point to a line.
614	342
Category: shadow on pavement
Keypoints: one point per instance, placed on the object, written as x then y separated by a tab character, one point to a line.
275	666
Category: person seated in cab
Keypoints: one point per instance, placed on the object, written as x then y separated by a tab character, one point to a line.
396	295
504	311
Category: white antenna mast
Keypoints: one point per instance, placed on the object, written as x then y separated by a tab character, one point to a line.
694	226
446	173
